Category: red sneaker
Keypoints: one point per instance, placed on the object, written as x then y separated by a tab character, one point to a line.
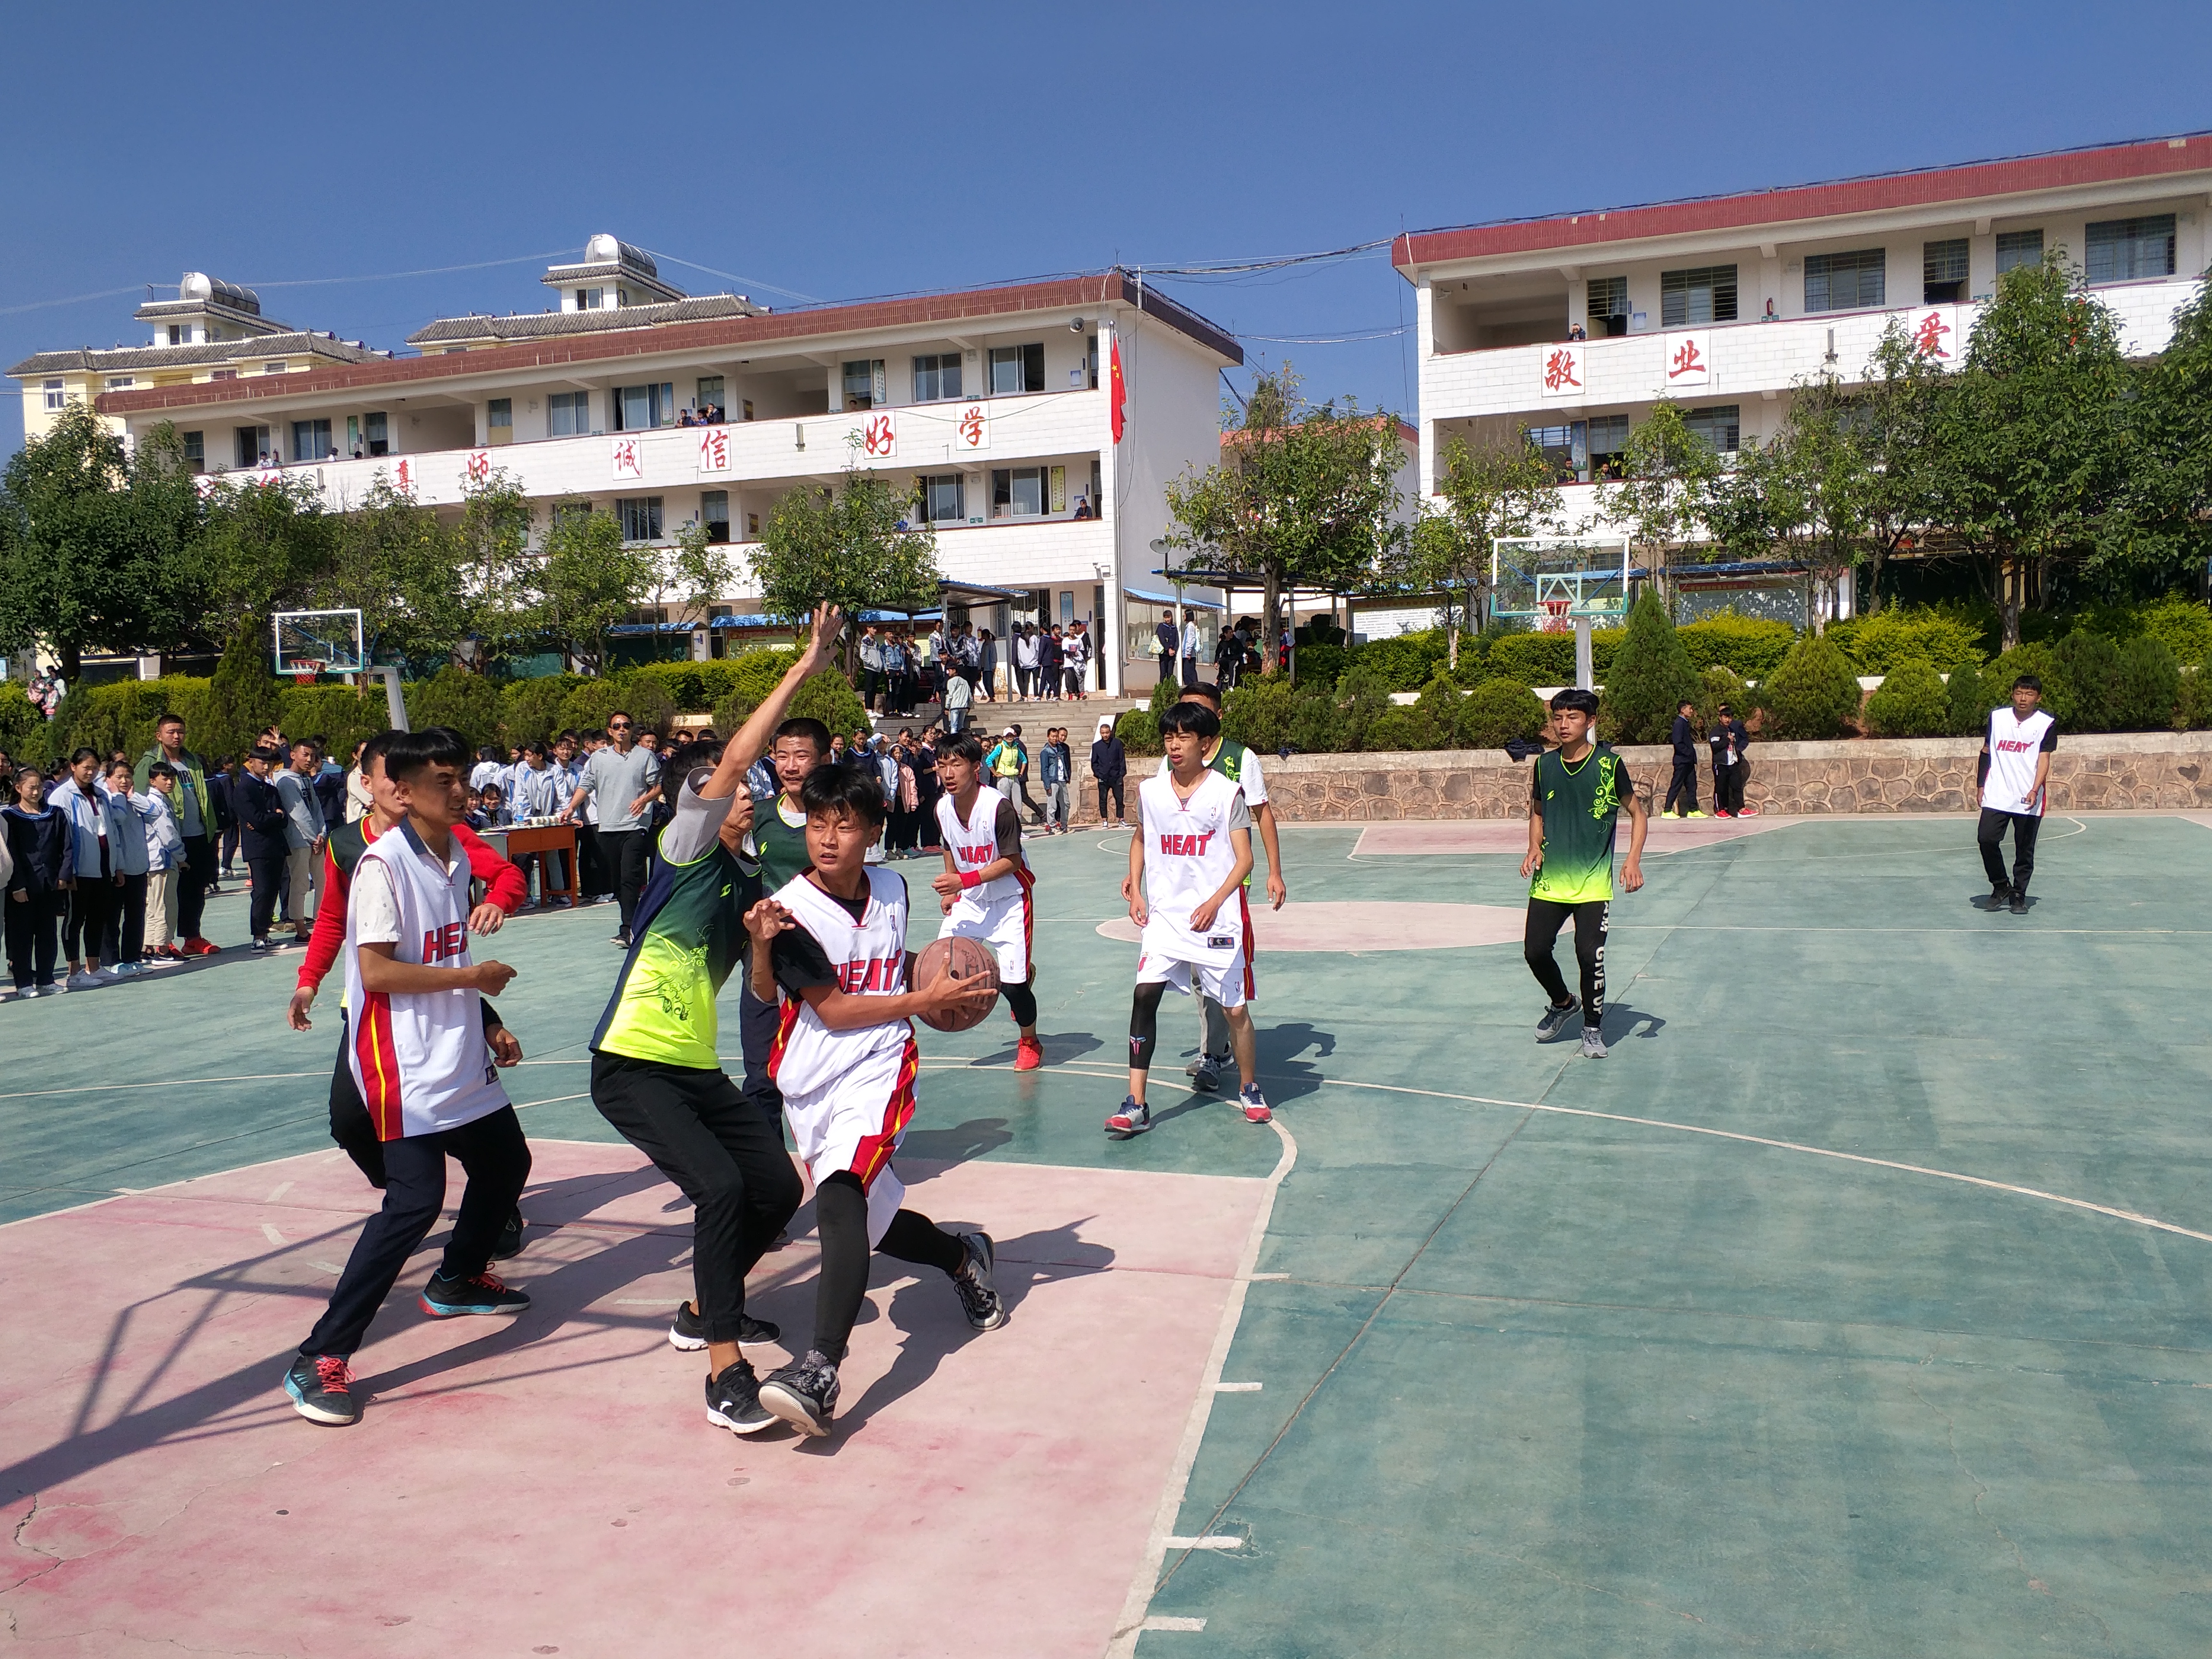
197	946
1028	1055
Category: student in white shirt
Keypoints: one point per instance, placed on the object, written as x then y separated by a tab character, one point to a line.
2015	768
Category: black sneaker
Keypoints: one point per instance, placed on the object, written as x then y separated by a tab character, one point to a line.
321	1387
2000	895
688	1330
510	1239
978	1300
479	1293
2020	900
733	1401
1554	1021
621	939
803	1396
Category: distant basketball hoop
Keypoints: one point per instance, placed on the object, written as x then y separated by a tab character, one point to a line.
304	670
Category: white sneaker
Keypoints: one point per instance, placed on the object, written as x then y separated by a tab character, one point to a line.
81	980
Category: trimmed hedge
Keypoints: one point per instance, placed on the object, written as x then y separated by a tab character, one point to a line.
1910	703
1497	711
1814	694
1941	638
1751	647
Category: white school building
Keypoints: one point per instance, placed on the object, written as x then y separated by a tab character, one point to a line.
991	408
1575	325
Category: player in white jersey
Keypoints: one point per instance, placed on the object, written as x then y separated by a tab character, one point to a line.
1188	861
2015	766
832	942
987	891
420	1053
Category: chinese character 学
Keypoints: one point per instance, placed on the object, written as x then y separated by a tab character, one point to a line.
970	425
1687	360
1928	337
878	439
1559	371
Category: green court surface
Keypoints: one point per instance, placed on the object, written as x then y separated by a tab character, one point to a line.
1857	1305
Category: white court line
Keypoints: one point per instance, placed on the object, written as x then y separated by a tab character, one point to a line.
273	1235
1238	1387
1147	1578
1213	1541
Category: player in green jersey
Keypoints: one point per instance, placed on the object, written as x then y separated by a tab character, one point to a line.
1575	798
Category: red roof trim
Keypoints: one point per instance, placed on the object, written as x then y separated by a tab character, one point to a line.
975	305
2150	159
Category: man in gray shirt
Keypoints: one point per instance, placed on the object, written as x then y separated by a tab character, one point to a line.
624	780
304	833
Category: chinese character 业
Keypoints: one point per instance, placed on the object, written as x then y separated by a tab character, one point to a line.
1559	371
1687	360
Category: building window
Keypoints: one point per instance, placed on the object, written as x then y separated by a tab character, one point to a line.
272	368
176	334
2130	250
942	499
937	377
864	384
1719	427
715	513
311	440
223	374
119	382
1703	294
499	420
2019	248
752	526
590	299
569	414
1608	305
195	451
1606	447
1017	369
641	518
251	446
640	408
57	394
1943	272
709	390
1018	492
378	434
1845	282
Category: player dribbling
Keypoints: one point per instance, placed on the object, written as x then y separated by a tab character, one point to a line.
987	890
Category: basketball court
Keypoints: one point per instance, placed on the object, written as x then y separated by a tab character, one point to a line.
1857	1304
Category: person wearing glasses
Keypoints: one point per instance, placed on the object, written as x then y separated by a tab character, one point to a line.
624	780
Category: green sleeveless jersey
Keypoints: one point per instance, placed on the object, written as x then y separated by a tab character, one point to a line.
1581	806
778	841
688	933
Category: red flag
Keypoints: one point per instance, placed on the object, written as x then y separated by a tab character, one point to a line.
1116	393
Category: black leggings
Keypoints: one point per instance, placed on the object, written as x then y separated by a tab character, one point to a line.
1021	1001
1145	1025
841	1221
91	902
1990	835
1545	918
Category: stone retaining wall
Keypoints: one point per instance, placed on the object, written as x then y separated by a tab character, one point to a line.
2140	770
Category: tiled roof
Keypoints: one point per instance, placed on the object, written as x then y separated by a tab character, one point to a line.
544	324
194	356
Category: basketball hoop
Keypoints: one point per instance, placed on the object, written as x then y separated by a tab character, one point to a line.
1556	619
304	671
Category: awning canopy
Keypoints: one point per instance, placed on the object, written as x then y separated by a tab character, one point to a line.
1169	598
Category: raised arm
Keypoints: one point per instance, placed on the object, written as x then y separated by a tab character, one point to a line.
752	738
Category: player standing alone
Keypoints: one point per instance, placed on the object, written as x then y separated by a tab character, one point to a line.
1190	855
2015	765
987	891
833	940
1575	798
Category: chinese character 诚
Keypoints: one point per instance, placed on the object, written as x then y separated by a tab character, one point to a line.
626	461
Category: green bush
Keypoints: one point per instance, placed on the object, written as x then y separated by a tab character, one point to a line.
2030	657
453	696
757	672
2193	707
1401	727
591	702
1323	664
2149	685
1719	685
1259	711
530	710
826	697
1650	677
1753	647
1441	705
730	714
1942	639
24	732
2088	666
1536	659
1361	699
1813	693
1910	702
1408	661
681	681
117	715
1968	700
341	715
1317	722
1497	711
1139	732
2182	626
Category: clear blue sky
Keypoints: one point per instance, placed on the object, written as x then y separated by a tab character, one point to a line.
861	149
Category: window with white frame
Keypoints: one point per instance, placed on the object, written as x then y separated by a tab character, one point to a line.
641	408
2129	250
1719	427
936	377
1845	281
2019	248
1943	272
569	414
376	429
274	368
1018	492
120	382
499	420
944	500
1703	294
709	392
1608	305
311	440
863	382
195	451
57	394
1015	369
640	516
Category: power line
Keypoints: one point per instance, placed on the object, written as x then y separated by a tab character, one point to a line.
426	270
73	300
732	276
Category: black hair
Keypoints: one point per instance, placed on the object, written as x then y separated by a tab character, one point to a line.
31	770
173	715
82	754
1193	717
409	752
566	736
161	769
534	747
842	789
962	745
1687	702
262	752
804	725
621	713
376	748
1575	697
1208	693
487	753
2028	682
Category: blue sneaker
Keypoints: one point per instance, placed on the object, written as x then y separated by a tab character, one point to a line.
479	1293
321	1387
1255	1105
1131	1119
1555	1021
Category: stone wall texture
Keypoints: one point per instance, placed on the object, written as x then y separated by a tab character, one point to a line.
2134	770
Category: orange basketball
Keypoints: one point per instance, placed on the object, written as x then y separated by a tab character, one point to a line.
966	958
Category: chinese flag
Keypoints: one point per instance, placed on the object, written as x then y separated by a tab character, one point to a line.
1116	393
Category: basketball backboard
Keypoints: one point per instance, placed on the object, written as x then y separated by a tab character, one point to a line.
1554	581
310	642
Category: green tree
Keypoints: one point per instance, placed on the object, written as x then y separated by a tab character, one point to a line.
1650	676
697	572
2170	477
261	548
496	567
1481	493
1665	486
1307	498
1893	423
585	581
1802	497
93	544
242	697
2149	685
1814	693
2030	434
453	696
843	545
1910	702
392	560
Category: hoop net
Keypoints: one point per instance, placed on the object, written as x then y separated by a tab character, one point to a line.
304	672
1557	619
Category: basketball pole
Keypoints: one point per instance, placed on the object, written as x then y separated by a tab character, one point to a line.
1585	665
395	705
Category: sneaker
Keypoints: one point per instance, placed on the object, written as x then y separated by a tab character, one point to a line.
1555	1021
2000	895
978	1299
620	937
733	1401
1205	1076
1028	1055
687	1332
2020	900
1255	1105
1747	812
321	1387
1722	812
1593	1043
510	1239
1131	1119
82	981
1694	814
1670	813
261	947
479	1293
197	946
49	989
804	1395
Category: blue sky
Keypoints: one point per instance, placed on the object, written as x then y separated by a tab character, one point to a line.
853	150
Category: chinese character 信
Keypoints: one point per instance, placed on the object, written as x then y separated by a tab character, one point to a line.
1687	360
1928	337
715	448
1559	371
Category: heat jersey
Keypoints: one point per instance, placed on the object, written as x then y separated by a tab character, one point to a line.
974	843
1189	854
869	958
2014	744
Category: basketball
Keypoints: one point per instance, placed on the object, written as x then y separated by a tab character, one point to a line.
966	958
